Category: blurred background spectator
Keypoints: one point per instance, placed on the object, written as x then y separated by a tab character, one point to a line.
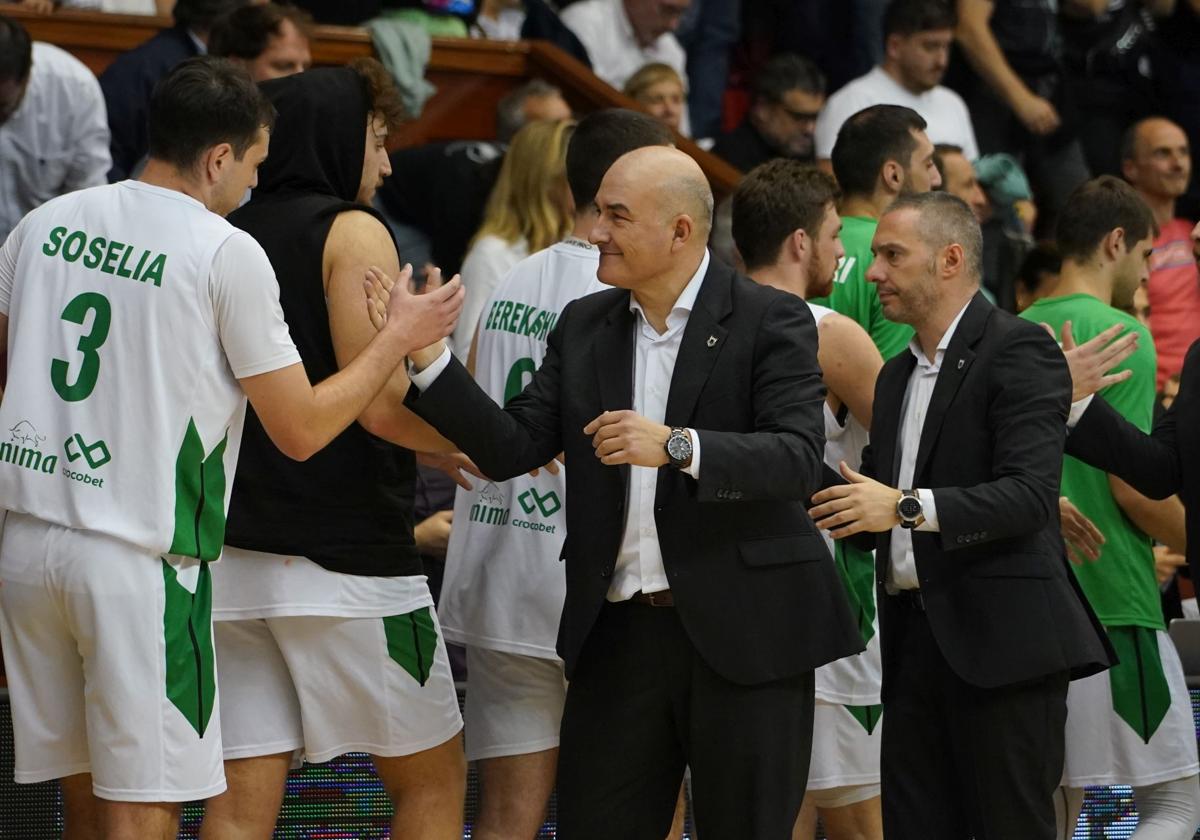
1014	83
128	81
269	40
788	95
53	130
659	89
1156	160
430	228
1107	56
510	20
530	208
622	36
708	32
917	38
1177	80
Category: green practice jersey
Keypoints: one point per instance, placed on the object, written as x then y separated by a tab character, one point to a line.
855	297
1120	585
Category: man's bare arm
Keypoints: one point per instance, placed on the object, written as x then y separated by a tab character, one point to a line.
357	241
850	363
974	35
1163	520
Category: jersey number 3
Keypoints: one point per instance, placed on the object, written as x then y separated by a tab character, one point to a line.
85	381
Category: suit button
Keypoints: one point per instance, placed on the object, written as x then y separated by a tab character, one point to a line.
959	539
605	573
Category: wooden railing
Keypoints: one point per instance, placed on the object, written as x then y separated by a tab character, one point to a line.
471	76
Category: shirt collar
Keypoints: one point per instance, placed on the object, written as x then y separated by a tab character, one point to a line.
686	300
914	345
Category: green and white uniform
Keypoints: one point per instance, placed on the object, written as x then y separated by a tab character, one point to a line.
1133	724
503	590
847	730
855	297
133	311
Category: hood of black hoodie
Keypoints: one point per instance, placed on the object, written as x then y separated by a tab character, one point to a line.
319	139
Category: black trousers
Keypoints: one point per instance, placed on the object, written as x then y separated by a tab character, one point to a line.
642	705
960	761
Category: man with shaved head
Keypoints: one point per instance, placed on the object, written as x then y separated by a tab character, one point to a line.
700	597
1156	160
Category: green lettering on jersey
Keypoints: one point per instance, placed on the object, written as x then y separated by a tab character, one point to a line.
54	243
95	253
106	256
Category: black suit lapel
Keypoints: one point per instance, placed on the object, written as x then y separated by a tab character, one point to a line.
612	359
956	361
702	342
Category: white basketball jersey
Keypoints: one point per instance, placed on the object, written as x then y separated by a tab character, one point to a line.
854	680
133	311
504	585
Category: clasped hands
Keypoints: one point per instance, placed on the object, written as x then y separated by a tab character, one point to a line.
863	505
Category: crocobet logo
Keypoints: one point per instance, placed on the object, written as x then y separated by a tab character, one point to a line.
96	454
546	505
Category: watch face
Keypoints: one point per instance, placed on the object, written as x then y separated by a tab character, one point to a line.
679	447
910	508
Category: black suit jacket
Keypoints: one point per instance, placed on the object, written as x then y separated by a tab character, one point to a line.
127	85
1157	465
754	585
1000	598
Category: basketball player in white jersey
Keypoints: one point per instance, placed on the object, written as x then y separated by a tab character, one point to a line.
137	323
785	225
504	586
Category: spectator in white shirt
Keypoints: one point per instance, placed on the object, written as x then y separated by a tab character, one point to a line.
53	127
917	39
621	36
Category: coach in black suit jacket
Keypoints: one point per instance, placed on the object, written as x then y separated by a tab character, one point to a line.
1158	465
720	678
982	622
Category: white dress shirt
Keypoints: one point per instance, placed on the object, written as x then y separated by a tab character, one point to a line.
57	140
639	566
902	571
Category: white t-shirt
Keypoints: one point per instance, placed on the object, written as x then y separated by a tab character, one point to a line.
504	585
489	259
853	680
943	109
133	311
57	140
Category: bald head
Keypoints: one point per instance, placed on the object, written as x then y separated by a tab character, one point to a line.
1155	158
655	214
671	179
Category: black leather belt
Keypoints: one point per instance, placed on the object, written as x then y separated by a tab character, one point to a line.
663	598
911	598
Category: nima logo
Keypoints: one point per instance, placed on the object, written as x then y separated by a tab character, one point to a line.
22	450
491	509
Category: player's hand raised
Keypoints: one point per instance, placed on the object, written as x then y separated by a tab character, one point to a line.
419	320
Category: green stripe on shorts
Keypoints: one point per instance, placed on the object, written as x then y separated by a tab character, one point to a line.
412	642
187	630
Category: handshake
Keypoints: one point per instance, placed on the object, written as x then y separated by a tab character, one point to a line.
421	321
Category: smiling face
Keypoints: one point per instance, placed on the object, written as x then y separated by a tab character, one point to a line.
1161	165
631	230
376	163
903	268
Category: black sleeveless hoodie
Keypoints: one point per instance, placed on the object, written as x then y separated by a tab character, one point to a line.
350	506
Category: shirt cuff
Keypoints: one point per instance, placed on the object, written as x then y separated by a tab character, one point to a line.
426	377
693	469
929	506
1077	409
